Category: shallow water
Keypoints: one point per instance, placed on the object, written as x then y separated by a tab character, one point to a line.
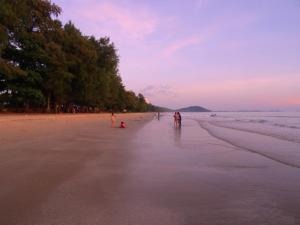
283	125
275	135
190	176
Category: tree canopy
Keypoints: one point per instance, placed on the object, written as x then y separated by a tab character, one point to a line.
46	66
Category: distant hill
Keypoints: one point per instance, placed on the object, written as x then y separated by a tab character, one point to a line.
162	109
186	109
193	109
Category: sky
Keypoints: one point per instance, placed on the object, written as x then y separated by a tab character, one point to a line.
219	54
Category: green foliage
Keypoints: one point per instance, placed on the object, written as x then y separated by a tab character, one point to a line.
45	66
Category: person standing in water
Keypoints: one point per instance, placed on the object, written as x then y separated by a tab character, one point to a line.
179	119
113	119
175	119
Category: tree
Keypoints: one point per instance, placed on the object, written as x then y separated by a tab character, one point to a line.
23	55
46	66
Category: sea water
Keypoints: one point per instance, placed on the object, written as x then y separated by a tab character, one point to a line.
275	135
282	125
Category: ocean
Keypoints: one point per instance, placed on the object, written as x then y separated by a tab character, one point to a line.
281	125
275	135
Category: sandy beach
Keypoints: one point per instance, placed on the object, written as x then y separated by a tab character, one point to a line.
40	153
76	170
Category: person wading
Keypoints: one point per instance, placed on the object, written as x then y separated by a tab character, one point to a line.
113	119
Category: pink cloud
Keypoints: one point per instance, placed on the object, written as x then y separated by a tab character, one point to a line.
214	29
282	101
264	84
261	91
129	21
294	101
158	91
181	44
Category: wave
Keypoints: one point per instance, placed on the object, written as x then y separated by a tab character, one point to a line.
281	135
290	117
268	122
281	151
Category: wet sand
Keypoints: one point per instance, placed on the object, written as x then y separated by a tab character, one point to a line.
79	171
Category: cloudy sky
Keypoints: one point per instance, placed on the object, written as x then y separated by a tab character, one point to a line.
220	54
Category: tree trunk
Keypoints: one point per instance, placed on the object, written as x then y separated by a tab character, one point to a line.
48	104
56	107
27	107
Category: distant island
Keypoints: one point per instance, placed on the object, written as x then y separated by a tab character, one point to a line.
193	109
186	109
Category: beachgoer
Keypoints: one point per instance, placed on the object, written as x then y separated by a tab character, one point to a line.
122	125
175	119
113	119
179	119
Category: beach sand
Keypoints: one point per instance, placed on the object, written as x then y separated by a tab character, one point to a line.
41	153
76	170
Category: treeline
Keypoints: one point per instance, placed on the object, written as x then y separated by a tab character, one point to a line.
49	67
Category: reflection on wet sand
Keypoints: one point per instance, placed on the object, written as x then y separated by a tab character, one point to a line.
177	135
192	178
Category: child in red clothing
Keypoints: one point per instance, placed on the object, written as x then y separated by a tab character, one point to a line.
122	125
